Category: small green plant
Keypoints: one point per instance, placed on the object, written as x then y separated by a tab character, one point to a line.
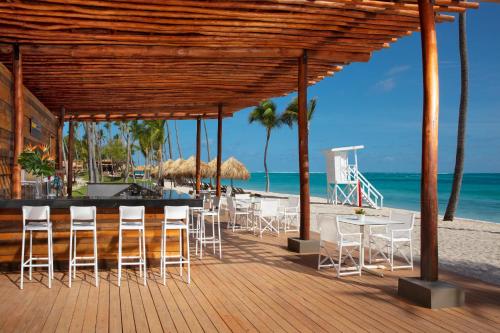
37	161
360	211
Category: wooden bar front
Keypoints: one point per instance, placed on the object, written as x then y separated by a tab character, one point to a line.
107	238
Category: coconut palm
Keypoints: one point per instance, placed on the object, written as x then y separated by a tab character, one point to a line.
462	121
208	146
291	114
265	114
177	138
169	141
156	129
125	135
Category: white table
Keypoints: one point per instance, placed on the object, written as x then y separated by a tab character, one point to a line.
370	221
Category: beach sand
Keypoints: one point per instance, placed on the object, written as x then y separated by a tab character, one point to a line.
466	247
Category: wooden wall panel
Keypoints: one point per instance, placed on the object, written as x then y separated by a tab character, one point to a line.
33	109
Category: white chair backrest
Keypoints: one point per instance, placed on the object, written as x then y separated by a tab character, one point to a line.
36	213
87	214
229	191
176	212
407	219
230	204
269	208
215	203
132	213
328	227
242	196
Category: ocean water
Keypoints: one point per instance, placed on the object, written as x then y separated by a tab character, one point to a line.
479	198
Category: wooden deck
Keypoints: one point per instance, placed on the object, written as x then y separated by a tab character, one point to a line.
258	286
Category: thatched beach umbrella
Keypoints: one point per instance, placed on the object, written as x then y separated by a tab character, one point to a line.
234	169
167	165
212	168
175	169
189	168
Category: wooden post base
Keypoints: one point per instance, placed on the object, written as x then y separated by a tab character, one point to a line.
303	246
431	294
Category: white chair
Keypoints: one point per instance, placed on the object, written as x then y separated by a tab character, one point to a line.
234	212
37	218
216	236
289	213
267	216
176	218
242	196
82	219
330	232
394	238
132	218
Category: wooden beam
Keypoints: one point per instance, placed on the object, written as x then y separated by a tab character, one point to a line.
198	154
105	51
303	147
69	174
18	121
428	189
219	151
60	139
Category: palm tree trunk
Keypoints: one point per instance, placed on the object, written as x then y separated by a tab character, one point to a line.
169	140
268	136
462	121
127	164
177	138
208	146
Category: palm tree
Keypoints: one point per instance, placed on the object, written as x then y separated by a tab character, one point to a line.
169	140
107	126
291	114
125	129
462	121
208	146
265	114
156	130
177	138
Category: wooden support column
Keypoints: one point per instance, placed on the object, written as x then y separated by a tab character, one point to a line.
219	151
18	122
60	138
198	155
69	176
428	191
303	148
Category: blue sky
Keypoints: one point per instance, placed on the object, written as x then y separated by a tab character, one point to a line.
379	104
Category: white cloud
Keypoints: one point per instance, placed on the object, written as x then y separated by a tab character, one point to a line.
385	85
397	70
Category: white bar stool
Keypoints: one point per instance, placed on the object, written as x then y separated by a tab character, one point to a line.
82	219
132	218
37	218
176	218
215	237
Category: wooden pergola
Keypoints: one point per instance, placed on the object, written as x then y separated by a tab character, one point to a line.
94	60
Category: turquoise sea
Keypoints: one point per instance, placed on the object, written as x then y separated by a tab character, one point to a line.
479	199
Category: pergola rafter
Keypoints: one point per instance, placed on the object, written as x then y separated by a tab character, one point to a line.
116	59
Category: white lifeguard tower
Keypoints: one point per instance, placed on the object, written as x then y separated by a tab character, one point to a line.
345	184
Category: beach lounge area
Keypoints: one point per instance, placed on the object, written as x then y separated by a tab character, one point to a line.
90	240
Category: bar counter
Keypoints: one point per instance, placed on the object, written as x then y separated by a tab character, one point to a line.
107	225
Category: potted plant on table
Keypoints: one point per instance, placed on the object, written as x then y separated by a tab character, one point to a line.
37	161
360	213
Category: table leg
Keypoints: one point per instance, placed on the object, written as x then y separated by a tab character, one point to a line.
367	268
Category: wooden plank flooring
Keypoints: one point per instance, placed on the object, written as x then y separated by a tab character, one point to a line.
257	286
